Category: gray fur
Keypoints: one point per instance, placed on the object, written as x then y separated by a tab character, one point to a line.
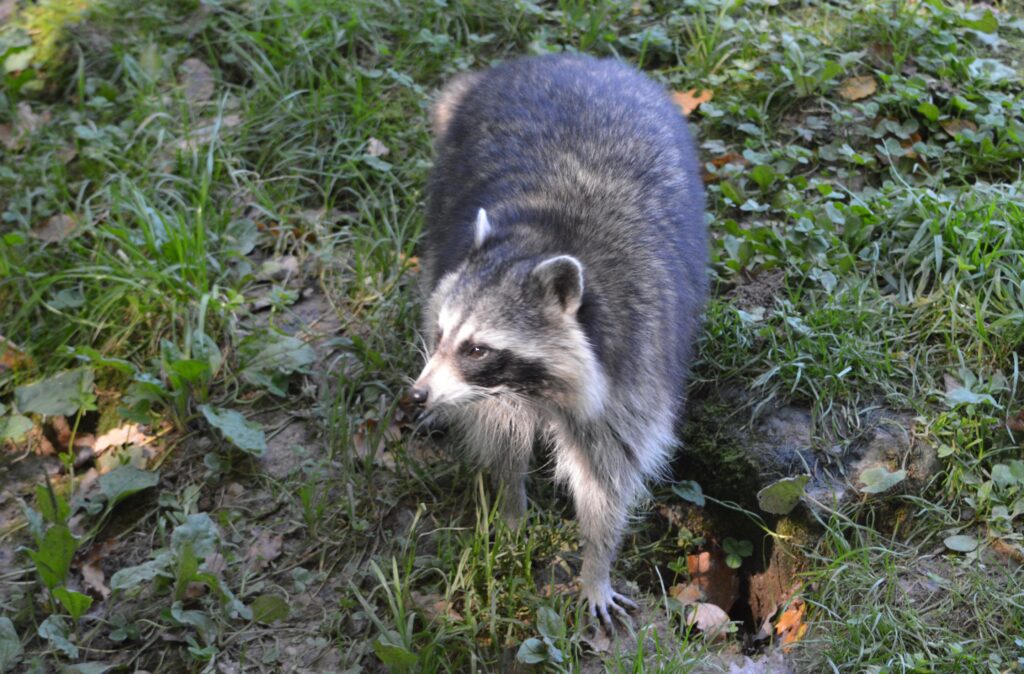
581	290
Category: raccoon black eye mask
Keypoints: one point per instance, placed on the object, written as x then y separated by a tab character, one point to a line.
564	260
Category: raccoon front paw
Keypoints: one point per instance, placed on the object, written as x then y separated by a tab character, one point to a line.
604	603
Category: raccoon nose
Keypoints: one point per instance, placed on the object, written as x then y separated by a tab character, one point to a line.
419	395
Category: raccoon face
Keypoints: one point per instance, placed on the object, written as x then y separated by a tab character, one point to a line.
508	328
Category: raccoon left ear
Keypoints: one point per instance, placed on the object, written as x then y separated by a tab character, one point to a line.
482	228
562	278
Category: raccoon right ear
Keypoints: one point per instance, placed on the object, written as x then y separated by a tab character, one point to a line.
562	279
482	229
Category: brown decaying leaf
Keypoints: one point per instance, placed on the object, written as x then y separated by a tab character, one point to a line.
434	606
128	434
54	229
265	550
375	148
690	100
708	618
94	579
857	88
381	456
12	356
26	122
197	78
956	126
1016	422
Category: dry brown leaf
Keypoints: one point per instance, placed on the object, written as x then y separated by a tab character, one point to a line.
375	148
956	126
266	549
54	229
12	356
690	100
197	79
857	88
708	618
1016	422
686	593
215	563
434	606
128	434
94	579
729	158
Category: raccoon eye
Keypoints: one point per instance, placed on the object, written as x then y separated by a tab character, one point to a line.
477	352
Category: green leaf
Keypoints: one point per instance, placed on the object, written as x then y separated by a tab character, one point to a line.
124	481
964	396
60	394
688	490
269	608
961	543
246	435
203	623
929	110
199	532
52	505
10	644
268	353
191	370
780	497
75	603
879	479
392	652
14	427
988	23
54	630
764	176
132	576
549	623
532	651
53	558
733	561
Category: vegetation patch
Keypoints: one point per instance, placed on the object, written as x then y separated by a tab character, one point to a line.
208	313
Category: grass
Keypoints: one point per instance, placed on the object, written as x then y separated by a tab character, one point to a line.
181	231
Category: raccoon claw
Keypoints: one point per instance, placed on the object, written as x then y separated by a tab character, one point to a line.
606	603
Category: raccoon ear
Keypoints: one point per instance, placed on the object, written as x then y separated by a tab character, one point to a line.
482	229
562	278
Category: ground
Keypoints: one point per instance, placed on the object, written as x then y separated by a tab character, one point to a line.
208	311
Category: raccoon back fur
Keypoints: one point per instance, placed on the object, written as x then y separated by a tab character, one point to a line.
564	269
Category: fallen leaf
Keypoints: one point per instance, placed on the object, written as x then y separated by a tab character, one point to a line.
686	593
215	563
1016	422
857	88
956	126
708	618
94	579
197	79
266	549
54	229
128	434
729	158
435	606
375	148
690	100
791	626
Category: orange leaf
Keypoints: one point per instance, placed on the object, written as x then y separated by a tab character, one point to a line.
856	88
691	100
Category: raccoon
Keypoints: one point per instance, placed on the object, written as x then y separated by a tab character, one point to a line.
564	269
